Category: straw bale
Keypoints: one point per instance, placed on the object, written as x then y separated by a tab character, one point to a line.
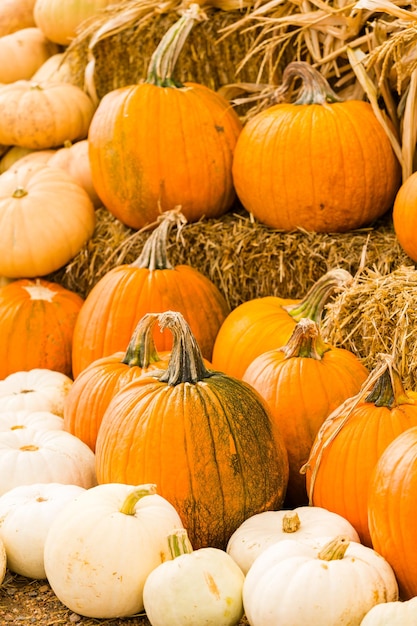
244	258
377	314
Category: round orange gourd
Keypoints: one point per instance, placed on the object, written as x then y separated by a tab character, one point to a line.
317	163
161	144
25	50
148	285
302	383
263	324
43	115
350	442
45	219
37	319
404	216
204	438
96	385
392	507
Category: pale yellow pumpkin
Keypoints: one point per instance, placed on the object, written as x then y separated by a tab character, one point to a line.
15	15
23	52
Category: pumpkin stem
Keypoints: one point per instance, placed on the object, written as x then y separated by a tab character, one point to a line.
129	505
305	341
19	192
164	59
389	390
291	522
186	364
313	303
179	543
315	89
335	549
154	251
141	350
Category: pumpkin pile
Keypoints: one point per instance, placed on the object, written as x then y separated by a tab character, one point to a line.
170	452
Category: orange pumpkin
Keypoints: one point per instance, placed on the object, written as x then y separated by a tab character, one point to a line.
350	442
148	285
37	319
205	439
160	144
317	163
263	324
43	115
302	383
95	386
45	219
392	507
404	216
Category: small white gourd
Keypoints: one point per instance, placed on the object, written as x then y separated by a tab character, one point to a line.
196	588
36	390
392	614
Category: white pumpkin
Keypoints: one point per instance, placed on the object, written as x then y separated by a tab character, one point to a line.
295	583
304	523
29	456
392	614
26	514
197	587
103	545
39	420
3	561
35	390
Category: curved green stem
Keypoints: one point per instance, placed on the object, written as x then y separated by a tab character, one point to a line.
141	350
154	251
315	89
305	341
179	543
130	502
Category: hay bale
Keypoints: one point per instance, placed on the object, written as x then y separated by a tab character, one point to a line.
377	315
244	258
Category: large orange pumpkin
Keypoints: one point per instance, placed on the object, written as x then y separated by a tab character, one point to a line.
317	163
96	385
45	219
204	438
37	319
404	216
350	442
263	324
392	507
302	383
161	144
148	285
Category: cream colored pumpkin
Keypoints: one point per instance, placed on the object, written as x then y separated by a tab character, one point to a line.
17	154
103	545
25	51
31	456
38	420
43	115
200	587
60	20
305	524
26	514
35	390
55	69
335	583
392	614
3	561
74	159
38	237
16	15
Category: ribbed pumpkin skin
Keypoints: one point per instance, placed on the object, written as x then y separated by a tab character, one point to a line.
93	390
126	293
324	168
37	319
300	393
207	446
343	477
153	148
392	509
252	328
404	216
